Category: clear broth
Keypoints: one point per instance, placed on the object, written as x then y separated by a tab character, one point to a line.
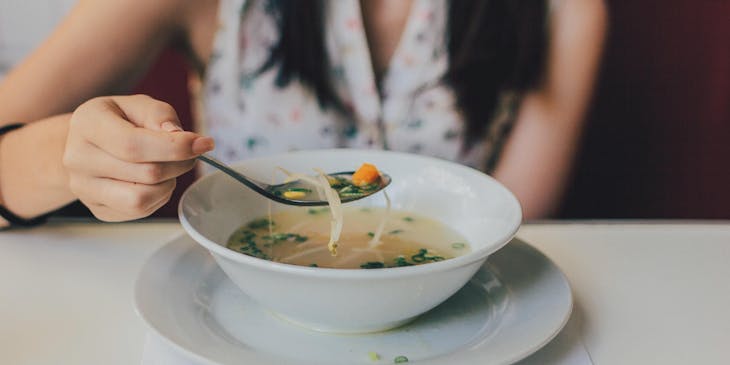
300	237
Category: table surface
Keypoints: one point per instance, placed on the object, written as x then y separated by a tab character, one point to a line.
645	292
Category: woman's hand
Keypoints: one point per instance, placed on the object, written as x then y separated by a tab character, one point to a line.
123	154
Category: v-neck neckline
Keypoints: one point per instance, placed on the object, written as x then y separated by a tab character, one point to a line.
403	40
352	63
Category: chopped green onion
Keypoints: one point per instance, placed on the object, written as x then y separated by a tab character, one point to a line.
370	187
350	190
396	231
420	256
371	234
313	265
458	245
339	182
281	237
260	223
400	359
300	190
372	265
299	238
401	261
408	219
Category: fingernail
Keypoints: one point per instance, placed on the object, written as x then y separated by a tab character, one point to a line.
170	127
202	145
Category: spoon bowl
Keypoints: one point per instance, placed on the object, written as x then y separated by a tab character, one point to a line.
275	192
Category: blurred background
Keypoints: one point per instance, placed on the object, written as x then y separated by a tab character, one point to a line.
657	143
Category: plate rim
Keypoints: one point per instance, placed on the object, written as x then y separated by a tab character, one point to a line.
147	321
185	239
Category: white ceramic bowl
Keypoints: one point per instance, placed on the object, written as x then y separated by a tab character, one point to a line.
351	301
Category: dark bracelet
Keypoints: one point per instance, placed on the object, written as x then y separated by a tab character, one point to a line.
7	128
9	216
16	221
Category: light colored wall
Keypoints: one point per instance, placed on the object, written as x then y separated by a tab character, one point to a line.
24	24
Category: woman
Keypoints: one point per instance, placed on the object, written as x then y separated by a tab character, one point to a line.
501	85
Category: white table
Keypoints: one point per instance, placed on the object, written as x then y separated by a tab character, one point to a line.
646	293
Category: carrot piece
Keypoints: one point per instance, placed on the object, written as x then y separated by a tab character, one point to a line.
366	174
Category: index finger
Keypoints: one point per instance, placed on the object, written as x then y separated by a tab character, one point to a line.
125	141
145	111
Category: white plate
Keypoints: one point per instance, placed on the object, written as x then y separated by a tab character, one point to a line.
516	303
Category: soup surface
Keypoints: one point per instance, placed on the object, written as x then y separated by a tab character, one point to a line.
300	236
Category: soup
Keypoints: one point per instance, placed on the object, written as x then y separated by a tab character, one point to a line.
300	237
363	182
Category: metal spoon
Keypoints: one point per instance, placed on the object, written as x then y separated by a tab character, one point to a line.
274	192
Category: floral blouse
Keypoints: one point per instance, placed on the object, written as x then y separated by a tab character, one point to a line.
414	111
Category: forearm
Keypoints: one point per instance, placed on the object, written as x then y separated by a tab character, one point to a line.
537	160
33	179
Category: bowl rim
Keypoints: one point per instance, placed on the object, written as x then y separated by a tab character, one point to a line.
333	273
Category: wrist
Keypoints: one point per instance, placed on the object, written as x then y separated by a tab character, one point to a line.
32	177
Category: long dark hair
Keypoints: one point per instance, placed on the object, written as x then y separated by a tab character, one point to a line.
493	45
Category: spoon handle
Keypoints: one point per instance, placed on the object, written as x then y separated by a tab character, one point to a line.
233	173
269	190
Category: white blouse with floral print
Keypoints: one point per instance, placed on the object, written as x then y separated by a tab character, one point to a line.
248	115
